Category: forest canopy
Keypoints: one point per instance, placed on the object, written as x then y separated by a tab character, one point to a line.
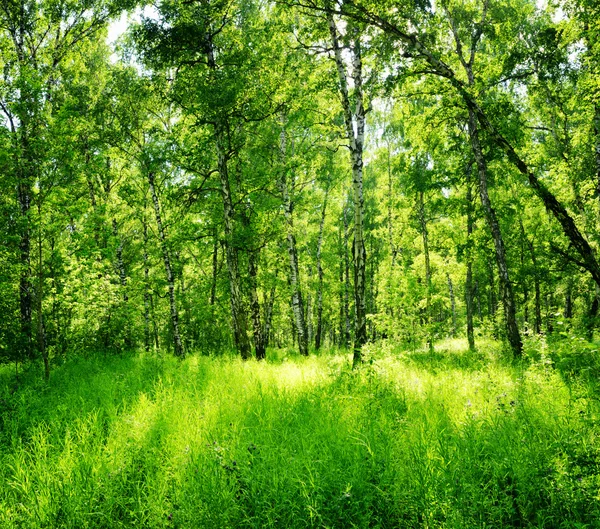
244	174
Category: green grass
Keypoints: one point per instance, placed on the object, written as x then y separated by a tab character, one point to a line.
410	440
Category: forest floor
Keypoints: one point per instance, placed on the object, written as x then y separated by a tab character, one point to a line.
409	440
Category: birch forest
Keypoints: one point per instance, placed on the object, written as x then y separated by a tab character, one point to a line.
300	263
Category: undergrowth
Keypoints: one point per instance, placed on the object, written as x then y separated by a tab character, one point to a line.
409	440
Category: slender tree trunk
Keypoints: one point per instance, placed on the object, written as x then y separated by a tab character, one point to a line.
320	276
239	317
536	280
452	303
259	337
168	269
592	314
355	132
268	306
288	208
569	301
346	280
425	237
507	296
597	146
154	324
309	309
469	278
215	270
343	253
146	284
393	249
25	297
41	341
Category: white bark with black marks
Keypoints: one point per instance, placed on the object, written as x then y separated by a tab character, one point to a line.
162	238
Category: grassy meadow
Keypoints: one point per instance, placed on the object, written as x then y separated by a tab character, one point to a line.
409	440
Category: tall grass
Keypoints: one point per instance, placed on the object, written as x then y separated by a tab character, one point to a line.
410	440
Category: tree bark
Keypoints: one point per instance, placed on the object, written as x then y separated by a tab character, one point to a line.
146	284
288	208
355	132
258	330
320	276
415	47
268	307
239	317
507	295
215	270
41	339
179	351
346	281
452	304
425	238
469	278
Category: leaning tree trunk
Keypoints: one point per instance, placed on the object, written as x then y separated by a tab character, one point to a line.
415	47
168	269
508	300
297	301
355	133
320	277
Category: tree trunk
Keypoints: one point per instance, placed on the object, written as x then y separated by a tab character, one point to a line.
259	337
346	281
269	303
320	276
425	238
239	317
41	341
507	296
146	284
469	278
597	146
288	208
355	133
452	303
120	265
215	270
25	298
416	47
168	269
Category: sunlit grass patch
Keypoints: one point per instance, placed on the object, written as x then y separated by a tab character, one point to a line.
302	442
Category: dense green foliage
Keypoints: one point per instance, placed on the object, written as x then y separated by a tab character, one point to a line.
450	440
192	190
200	219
